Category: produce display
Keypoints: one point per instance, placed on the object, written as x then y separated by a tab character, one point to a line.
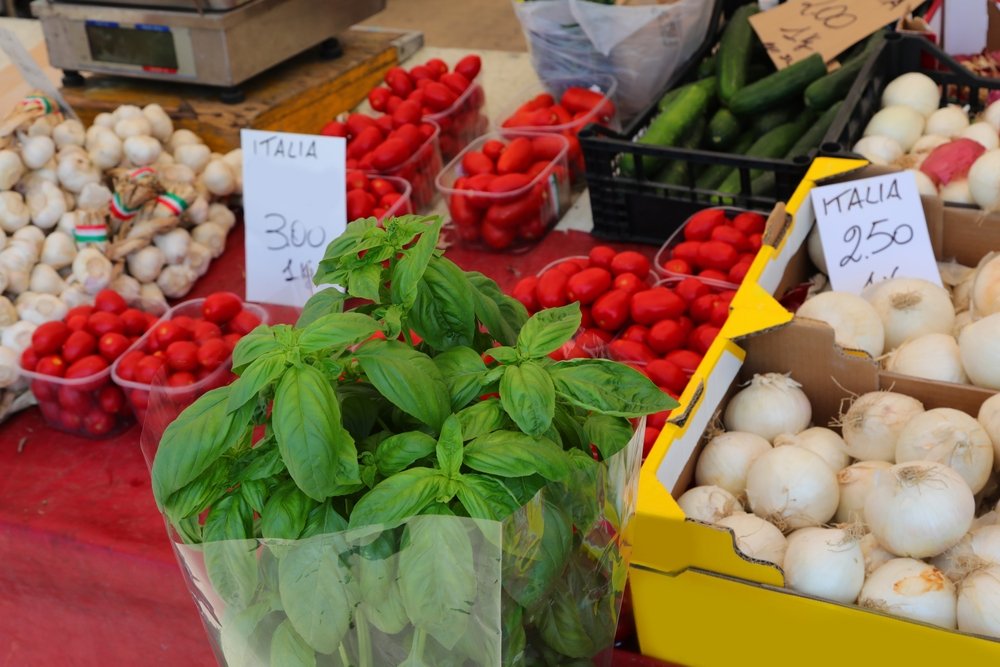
187	352
451	99
715	244
379	196
380	433
902	494
505	193
68	363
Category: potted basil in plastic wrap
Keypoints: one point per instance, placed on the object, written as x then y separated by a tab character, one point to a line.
407	481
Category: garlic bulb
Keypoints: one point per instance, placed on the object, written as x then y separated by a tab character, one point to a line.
75	295
142	150
17	336
46	205
32	237
92	270
221	215
161	127
70	132
151	299
104	119
42	308
11	169
210	235
195	156
14	212
104	147
174	245
128	287
76	170
146	263
218	178
9	367
37	151
176	280
133	126
46	280
182	137
8	313
198	259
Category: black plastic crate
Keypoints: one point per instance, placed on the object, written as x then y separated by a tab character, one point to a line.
899	54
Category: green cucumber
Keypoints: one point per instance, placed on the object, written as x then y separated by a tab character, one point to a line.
723	130
774	144
758	71
677	172
734	52
706	67
669	128
813	136
716	173
779	87
826	90
708	85
769	120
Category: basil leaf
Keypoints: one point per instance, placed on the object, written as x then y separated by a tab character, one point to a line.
536	545
449	447
266	463
237	637
326	301
365	282
397	452
547	330
514	640
323	519
570	430
502	315
196	440
199	494
608	387
377	568
255	344
437	580
258	375
481	418
254	492
526	488
514	454
485	497
573	629
359	405
398	497
347	244
313	584
409	270
230	558
527	395
336	330
288	649
389	615
285	513
503	354
443	312
391	319
608	433
462	370
409	379
318	451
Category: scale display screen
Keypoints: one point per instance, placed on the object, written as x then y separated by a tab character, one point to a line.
145	46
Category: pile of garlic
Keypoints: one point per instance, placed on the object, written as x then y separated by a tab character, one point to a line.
131	204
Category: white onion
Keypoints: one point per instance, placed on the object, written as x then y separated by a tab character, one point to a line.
856	482
949	121
825	562
911	589
983	133
991	115
899	123
957	191
962	320
855	322
822	442
986	287
878	150
772	404
919	508
873	422
915	90
933	356
726	458
792	488
991	518
875	556
978	608
984	180
925	185
755	537
950	437
709	504
989	419
929	142
979	344
814	246
980	546
910	307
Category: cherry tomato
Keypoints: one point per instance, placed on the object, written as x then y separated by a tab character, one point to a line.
690	289
509	182
456	81
469	66
755	241
679	266
438	96
686	360
702	337
658	419
85	367
611	310
381	187
76	322
181	379
652	305
69	420
231	339
713	274
700	225
378	98
551	290
732	236
43	391
407	112
666	336
147	368
701	307
109	301
667	374
112	345
493	148
588	284
221	307
749	223
638	333
547	147
78	345
570	267
648	440
127	364
717	255
98	423
102	322
135	321
166	333
593	341
496	236
516	157
630	350
524	291
244	322
334	128
739	271
360	204
29	359
84	310
49	337
53	365
182	355
601	255
204	330
476	162
436	65
111	399
630	261
720	313
213	353
365	142
629	282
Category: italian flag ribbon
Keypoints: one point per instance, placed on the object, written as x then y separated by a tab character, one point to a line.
38	101
91	233
119	211
137	174
175	204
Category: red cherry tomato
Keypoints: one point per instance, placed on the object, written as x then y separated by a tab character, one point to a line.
652	305
204	330
570	267
147	368
73	399
127	364
221	307
378	98
601	255
169	332
182	356
755	241
666	336
593	341
87	366
78	345
702	336
720	313
29	359
667	374
630	261
231	339
629	282
658	419
493	148
244	322
469	66
76	322
638	333
516	157
611	310
360	204
135	322
732	236
713	274
739	271
112	345
690	289
749	223
686	360
213	353
717	255
629	350
699	227
588	284
84	310
49	337
456	82
677	266
181	379
53	365
701	307
496	236
111	399
688	251
551	289
476	162
102	322
109	301
98	423
436	65
439	97
524	291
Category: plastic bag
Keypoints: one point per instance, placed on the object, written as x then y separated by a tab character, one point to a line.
640	46
542	587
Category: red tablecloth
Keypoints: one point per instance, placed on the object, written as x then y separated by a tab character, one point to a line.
87	575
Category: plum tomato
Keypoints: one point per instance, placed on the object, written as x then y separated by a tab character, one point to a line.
690	289
629	282
611	310
212	353
652	305
755	241
732	236
69	421
231	339
493	148
84	310
127	364
593	341
588	284
139	398
551	289
686	360
680	266
109	301
76	322
181	379
630	350
476	162
102	322
169	332
524	291
688	251
666	374
700	226
360	204
658	419
182	355
112	345
49	337
204	330
638	333
516	157
712	274
666	336
720	313
74	399
630	261
570	266
244	322
147	368
701	307
601	255
78	345
717	255
749	223
111	399
469	66
221	307
739	271
29	359
86	366
52	365
701	337
98	423
135	321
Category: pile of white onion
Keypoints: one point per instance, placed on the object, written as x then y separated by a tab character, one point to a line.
881	514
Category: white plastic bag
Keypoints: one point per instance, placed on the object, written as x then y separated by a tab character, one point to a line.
641	46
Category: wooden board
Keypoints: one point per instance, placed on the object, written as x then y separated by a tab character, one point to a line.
298	96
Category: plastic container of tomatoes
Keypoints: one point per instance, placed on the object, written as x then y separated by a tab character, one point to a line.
508	220
391	190
78	405
419	171
721	256
604	84
462	122
137	393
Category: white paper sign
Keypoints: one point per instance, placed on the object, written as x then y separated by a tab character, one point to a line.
873	229
31	71
294	205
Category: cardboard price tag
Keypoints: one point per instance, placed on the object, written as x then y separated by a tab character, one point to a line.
874	229
31	71
798	28
294	204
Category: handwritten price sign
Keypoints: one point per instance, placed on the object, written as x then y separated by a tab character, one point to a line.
798	28
294	205
874	229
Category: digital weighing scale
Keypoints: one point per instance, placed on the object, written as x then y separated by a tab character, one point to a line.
219	43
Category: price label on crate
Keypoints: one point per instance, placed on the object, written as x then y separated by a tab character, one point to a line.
796	29
874	229
294	205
